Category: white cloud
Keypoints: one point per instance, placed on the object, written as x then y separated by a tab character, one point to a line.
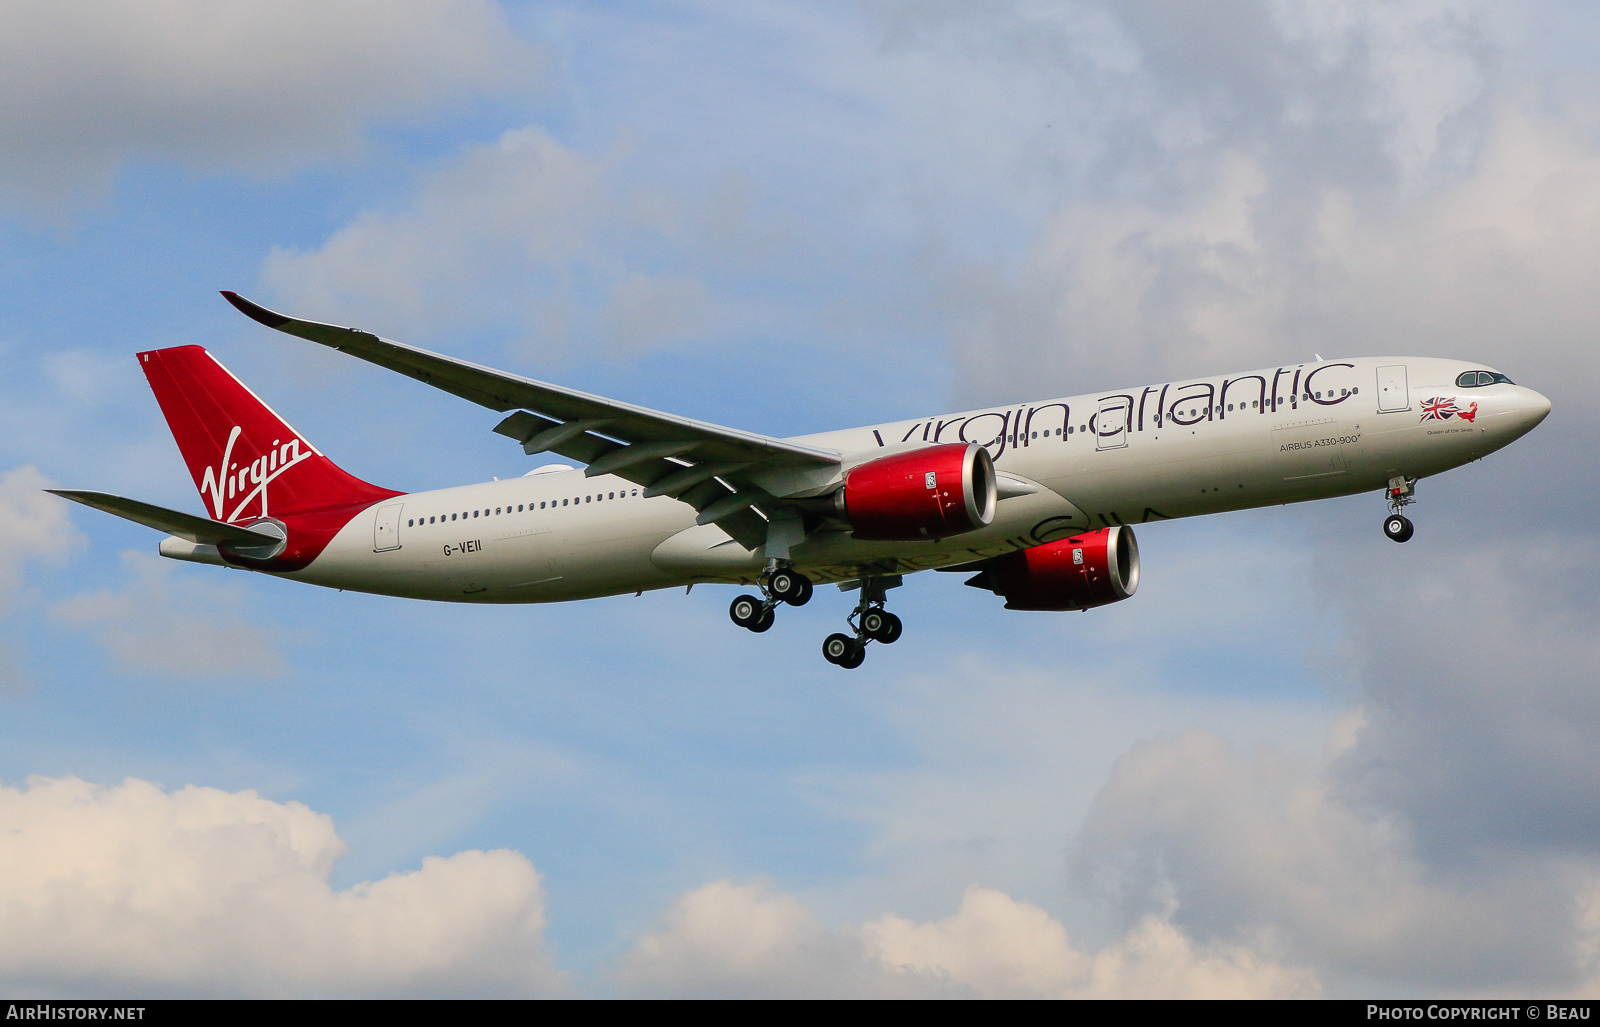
1247	270
1259	844
740	939
1002	744
1352	179
520	234
247	85
1478	672
33	526
187	626
733	940
126	889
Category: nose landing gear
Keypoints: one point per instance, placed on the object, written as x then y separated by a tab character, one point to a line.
1402	493
869	621
783	584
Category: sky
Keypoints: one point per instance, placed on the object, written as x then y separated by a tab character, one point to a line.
1301	761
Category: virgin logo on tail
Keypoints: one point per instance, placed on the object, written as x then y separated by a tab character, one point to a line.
228	481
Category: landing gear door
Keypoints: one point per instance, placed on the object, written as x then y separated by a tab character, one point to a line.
386	529
1111	422
1393	391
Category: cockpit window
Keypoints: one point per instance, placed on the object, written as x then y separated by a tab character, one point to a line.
1473	379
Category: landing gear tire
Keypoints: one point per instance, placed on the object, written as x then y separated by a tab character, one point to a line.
1398	527
881	626
790	585
747	611
840	650
764	622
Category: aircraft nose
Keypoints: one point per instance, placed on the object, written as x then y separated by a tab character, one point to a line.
1535	407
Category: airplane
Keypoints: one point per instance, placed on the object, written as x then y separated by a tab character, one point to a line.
1037	501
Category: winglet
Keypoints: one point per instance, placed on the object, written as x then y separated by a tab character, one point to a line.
255	311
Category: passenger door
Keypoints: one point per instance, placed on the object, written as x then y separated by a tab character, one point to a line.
1111	422
1394	393
386	529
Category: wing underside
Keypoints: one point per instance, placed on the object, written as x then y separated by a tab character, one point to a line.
736	480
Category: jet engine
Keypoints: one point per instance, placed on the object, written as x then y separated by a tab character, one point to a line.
927	493
1078	573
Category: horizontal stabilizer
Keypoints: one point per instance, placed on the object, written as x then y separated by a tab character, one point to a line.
200	530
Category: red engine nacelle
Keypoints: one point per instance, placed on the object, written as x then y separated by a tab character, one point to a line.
928	493
1088	570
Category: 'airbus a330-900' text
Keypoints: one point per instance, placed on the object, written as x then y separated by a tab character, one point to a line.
1035	500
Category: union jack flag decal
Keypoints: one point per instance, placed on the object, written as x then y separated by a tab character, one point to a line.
1439	409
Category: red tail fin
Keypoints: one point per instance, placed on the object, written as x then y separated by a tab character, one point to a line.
246	462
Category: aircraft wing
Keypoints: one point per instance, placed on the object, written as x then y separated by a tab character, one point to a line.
721	472
199	530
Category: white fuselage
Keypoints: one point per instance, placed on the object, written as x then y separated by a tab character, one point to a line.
1153	453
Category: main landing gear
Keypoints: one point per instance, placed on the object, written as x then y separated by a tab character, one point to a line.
783	584
869	621
1402	493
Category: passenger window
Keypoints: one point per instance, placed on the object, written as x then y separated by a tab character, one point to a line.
452	517
563	502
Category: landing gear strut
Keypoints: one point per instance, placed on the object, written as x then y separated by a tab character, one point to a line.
1402	493
869	621
782	584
